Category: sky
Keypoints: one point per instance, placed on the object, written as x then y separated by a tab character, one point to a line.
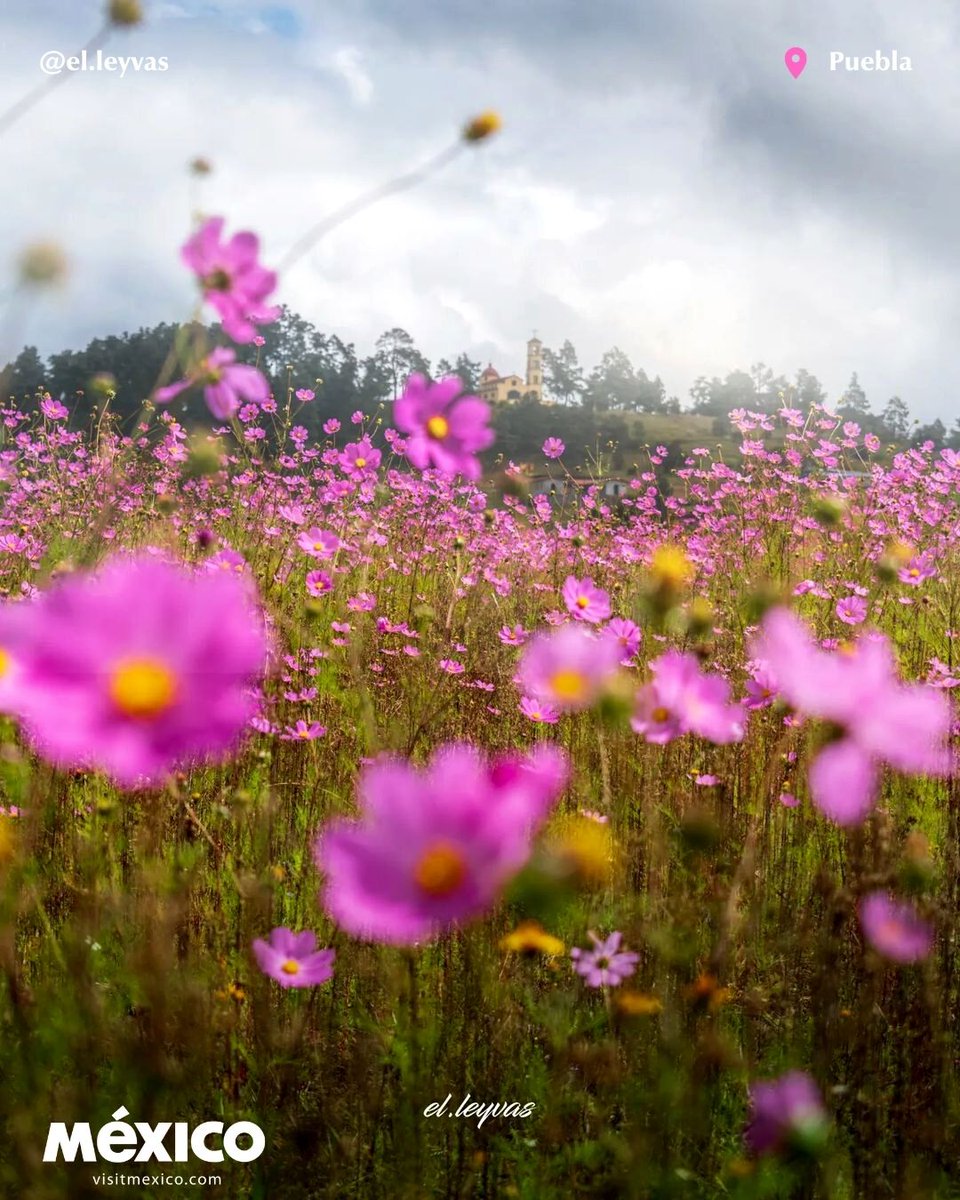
661	183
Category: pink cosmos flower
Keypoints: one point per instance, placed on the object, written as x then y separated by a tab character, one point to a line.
331	426
538	711
514	635
319	543
435	846
682	699
585	601
225	382
444	429
359	458
553	447
319	583
304	395
894	928
852	610
53	410
303	732
606	965
918	570
761	688
11	622
567	667
626	635
876	717
232	280
139	668
292	959
785	1112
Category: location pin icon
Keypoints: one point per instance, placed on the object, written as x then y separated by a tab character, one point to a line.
796	60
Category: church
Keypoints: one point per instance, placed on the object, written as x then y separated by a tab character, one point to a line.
507	389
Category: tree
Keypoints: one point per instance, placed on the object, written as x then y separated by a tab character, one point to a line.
809	390
24	376
400	358
896	418
853	402
613	383
562	374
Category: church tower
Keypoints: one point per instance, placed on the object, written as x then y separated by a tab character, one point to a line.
535	367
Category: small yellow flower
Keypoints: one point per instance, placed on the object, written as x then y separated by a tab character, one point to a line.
482	126
638	1004
125	12
585	849
706	992
671	568
530	937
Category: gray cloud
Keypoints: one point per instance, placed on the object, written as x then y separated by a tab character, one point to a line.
661	182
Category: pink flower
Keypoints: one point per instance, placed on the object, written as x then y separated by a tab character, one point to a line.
894	928
292	959
232	280
443	431
852	610
226	384
304	395
319	583
682	699
567	667
626	635
585	601
919	569
53	410
451	666
606	965
359	458
319	543
553	447
303	732
140	668
362	602
761	688
876	718
434	846
514	635
331	426
785	1112
539	712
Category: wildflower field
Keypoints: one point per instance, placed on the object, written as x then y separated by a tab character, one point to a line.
371	826
634	825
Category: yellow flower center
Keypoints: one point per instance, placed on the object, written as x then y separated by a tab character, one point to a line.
568	685
291	967
360	462
914	572
438	427
142	687
440	870
5	662
582	602
660	714
318	546
217	281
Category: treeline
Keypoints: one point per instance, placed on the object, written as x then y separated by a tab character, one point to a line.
296	354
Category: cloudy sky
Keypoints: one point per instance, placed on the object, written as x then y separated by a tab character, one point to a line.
661	182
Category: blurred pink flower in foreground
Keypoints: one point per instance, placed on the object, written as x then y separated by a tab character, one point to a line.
233	282
444	428
875	717
139	668
894	928
568	667
786	1113
682	699
226	384
434	846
